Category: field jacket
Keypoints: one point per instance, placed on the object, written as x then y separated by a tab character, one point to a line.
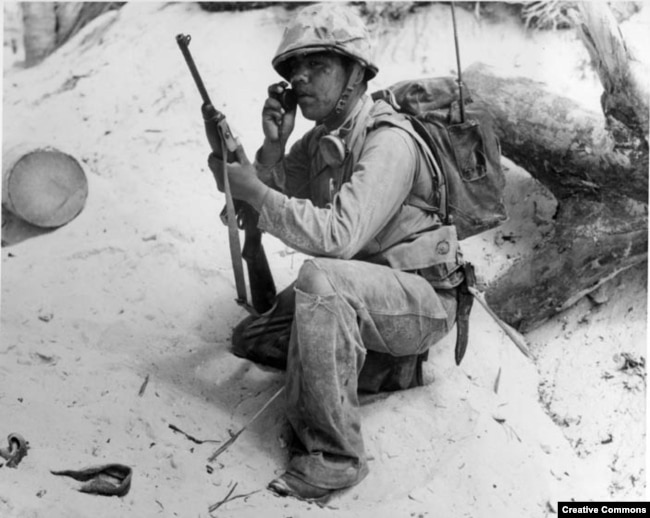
379	206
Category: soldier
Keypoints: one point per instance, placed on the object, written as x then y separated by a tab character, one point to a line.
359	196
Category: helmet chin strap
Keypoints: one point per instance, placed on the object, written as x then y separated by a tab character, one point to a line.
350	93
332	146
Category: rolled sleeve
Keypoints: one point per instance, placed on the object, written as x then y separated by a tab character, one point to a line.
268	173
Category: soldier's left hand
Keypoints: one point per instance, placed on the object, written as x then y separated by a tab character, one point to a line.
216	165
242	176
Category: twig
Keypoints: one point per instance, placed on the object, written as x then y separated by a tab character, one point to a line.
244	495
233	437
190	437
216	506
143	386
496	381
518	341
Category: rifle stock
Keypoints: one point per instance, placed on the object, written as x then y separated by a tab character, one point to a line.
220	138
259	273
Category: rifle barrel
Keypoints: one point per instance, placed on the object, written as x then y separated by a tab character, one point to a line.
183	41
226	147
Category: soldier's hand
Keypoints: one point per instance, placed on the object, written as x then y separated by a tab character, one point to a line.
277	123
242	177
216	166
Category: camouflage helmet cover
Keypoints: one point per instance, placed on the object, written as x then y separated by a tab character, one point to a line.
325	27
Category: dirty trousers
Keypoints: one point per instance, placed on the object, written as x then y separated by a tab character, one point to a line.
369	307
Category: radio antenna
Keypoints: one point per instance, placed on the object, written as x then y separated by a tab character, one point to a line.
460	77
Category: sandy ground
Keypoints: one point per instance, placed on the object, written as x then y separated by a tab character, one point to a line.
139	287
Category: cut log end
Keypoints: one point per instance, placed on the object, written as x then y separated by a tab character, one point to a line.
44	187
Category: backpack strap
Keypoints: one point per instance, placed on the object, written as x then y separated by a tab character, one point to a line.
418	132
431	151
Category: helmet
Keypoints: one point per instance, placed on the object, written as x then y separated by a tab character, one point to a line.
325	27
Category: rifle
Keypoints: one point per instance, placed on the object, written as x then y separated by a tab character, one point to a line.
238	214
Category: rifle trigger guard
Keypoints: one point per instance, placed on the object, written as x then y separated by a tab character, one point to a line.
240	216
241	220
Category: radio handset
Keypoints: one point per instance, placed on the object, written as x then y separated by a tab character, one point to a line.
287	98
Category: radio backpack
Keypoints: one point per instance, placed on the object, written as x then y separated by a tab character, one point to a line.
463	144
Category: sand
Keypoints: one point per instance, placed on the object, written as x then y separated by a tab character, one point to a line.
116	326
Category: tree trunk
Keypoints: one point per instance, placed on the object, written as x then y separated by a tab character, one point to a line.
595	165
624	77
39	21
592	242
47	25
601	224
73	16
563	145
67	14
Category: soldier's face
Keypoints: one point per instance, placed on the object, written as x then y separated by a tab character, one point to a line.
319	80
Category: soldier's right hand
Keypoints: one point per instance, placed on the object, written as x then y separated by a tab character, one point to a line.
277	123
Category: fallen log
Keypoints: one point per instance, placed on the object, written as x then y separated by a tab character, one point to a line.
42	185
563	145
601	184
592	242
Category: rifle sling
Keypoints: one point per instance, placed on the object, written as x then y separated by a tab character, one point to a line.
233	238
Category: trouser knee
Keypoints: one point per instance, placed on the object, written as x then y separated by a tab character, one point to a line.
313	278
